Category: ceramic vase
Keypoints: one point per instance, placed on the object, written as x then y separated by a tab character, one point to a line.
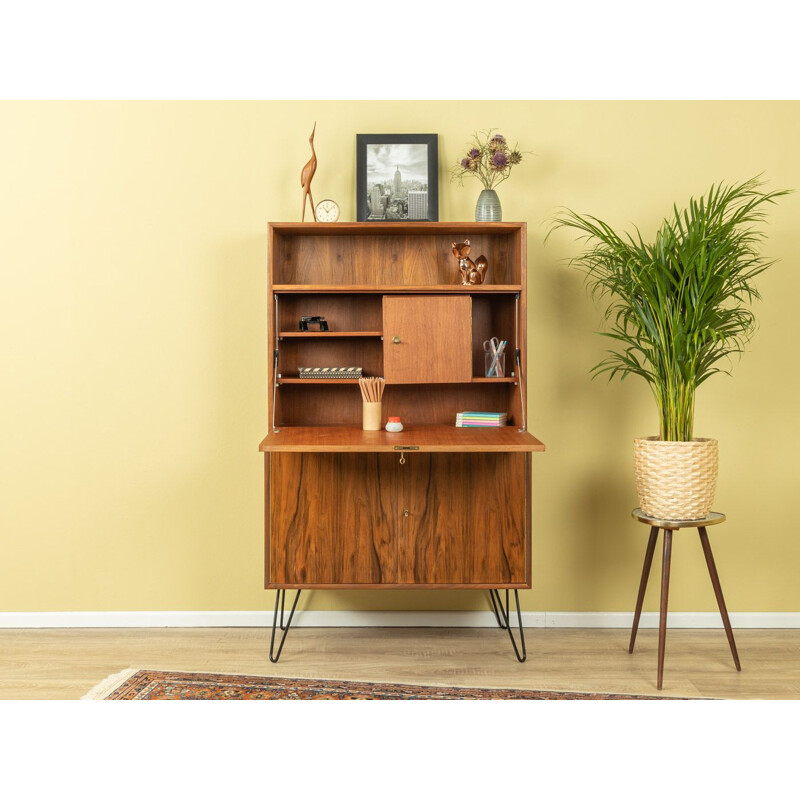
488	207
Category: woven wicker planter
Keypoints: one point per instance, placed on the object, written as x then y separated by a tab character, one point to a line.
675	480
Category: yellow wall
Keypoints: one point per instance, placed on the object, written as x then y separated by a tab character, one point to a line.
133	326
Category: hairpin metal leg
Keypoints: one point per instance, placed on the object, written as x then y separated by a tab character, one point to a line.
503	620
500	623
283	599
280	598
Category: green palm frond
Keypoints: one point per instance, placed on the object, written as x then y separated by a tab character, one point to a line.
676	306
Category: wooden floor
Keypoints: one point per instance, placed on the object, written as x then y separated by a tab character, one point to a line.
66	663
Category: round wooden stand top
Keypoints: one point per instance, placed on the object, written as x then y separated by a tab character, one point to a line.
713	518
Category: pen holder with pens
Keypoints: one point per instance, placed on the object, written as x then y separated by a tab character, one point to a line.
495	365
495	358
371	394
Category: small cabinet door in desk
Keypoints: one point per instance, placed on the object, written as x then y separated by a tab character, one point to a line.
427	338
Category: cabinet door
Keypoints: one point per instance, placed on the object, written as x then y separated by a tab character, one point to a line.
332	519
427	339
467	521
339	519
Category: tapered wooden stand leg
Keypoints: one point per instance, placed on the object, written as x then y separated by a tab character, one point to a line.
712	570
662	621
648	561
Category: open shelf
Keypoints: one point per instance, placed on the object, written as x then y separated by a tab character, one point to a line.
409	256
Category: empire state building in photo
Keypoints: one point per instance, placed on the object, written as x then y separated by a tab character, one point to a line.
398	181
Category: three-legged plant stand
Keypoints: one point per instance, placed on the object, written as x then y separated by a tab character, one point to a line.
668	526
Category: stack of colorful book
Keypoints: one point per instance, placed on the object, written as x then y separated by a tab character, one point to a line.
480	419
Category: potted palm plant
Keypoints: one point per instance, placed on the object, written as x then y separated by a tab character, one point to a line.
677	308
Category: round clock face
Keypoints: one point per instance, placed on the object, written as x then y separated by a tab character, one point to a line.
327	211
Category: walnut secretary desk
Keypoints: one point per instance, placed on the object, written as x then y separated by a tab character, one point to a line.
434	506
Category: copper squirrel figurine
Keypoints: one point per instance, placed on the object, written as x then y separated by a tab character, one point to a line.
472	272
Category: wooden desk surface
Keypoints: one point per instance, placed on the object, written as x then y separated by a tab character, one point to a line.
426	438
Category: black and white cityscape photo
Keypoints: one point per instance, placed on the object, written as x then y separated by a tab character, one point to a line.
397	182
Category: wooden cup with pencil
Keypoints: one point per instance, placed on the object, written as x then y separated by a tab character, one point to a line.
371	394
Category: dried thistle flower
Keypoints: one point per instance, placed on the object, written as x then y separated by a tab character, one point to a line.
497	142
499	160
488	158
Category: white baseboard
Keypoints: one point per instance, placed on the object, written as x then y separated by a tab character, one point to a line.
675	619
394	619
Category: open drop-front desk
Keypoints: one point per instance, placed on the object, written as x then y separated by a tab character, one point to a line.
433	506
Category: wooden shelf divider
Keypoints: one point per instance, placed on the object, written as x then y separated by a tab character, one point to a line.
361	288
318	381
330	334
324	381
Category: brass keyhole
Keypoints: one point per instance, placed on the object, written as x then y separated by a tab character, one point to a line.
395	340
405	512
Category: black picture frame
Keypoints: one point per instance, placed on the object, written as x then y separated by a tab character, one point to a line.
374	153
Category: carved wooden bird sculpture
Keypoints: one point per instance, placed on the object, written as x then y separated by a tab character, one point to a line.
306	175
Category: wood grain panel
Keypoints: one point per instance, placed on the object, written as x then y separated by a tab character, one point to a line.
332	519
411	228
467	519
428	438
310	261
435	333
421	262
314	404
267	515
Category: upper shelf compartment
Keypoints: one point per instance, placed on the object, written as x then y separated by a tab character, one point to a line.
418	255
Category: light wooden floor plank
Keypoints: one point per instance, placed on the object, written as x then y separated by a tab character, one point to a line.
66	663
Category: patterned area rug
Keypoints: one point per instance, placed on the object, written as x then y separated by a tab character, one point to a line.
146	684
